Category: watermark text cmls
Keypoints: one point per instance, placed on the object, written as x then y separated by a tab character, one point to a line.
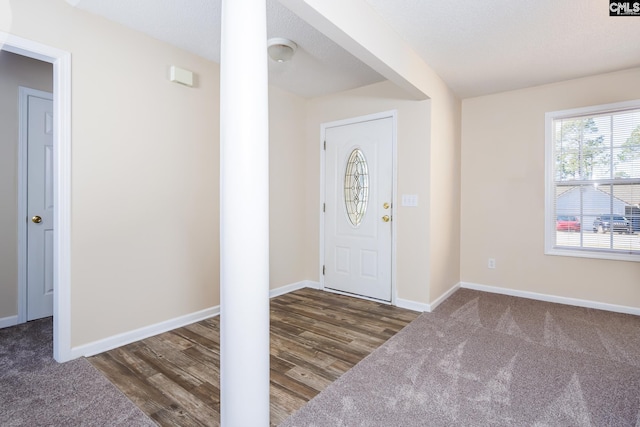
624	8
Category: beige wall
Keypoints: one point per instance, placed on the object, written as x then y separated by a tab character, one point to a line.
289	233
413	137
503	193
15	71
145	167
444	193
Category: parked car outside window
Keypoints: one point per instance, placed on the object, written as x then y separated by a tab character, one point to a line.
567	223
603	223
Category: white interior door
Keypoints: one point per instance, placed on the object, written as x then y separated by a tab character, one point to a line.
358	211
39	206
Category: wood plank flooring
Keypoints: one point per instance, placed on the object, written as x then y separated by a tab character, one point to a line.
316	336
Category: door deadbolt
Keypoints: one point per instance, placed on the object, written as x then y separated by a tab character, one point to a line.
386	205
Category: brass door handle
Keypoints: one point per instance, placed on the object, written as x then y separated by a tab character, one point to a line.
386	218
36	219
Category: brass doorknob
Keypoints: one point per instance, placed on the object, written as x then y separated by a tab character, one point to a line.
386	205
386	218
36	219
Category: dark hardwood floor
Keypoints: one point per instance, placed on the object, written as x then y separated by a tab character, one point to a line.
316	336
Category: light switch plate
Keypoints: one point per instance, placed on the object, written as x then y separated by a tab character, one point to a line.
410	200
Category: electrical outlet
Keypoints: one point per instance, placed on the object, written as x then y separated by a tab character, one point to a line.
491	263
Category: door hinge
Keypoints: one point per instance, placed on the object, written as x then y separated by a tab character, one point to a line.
324	207
325	145
323	270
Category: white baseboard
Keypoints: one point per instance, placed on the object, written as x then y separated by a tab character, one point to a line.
412	305
427	308
443	297
125	338
553	298
313	285
7	322
293	287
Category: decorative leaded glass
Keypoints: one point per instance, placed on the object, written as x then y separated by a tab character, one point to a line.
356	187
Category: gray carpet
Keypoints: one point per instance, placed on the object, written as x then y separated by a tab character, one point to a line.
491	360
35	390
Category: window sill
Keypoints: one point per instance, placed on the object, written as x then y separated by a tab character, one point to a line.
581	253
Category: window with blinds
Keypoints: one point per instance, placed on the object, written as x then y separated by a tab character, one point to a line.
593	182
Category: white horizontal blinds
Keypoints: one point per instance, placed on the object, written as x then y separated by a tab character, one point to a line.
597	181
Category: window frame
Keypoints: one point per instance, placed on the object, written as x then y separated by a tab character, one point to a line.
550	187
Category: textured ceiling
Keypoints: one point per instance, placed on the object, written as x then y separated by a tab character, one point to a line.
477	47
481	47
319	66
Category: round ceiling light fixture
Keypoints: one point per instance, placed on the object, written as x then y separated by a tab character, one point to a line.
280	49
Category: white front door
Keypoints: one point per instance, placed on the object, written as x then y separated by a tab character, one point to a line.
39	206
358	211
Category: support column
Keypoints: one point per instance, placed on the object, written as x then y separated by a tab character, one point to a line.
244	215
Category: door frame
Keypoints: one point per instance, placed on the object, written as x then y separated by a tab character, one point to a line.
23	191
61	61
393	114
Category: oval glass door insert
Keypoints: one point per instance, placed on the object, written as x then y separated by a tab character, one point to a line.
356	187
